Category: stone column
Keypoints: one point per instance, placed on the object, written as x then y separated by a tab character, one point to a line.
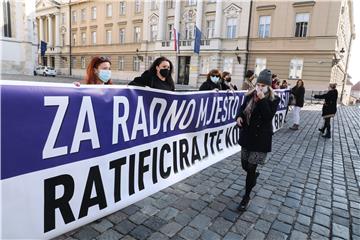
41	29
162	21
57	30
199	13
218	18
50	31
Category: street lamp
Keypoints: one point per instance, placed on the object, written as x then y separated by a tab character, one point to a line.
336	60
237	54
141	58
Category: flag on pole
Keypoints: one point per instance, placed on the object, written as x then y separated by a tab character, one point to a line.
43	48
175	40
197	40
178	42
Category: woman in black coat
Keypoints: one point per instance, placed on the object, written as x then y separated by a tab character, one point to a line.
298	91
255	120
158	76
213	81
329	108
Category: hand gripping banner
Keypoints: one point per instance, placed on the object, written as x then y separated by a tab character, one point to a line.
71	155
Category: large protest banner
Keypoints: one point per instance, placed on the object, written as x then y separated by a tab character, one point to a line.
70	155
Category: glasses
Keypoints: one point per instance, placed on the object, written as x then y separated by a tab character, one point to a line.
215	75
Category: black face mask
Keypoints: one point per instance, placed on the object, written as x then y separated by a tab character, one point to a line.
164	72
228	79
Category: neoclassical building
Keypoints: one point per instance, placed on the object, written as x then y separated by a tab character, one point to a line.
18	38
308	40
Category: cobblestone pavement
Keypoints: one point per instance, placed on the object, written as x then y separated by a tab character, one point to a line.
309	189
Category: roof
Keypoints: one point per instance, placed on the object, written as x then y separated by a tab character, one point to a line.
356	87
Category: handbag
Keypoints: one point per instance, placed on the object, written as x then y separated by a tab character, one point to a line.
292	99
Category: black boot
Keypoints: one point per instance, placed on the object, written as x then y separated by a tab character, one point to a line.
244	203
327	134
322	130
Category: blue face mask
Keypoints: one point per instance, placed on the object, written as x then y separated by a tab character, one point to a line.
104	75
214	79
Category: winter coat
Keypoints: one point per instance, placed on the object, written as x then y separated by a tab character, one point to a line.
210	85
329	107
257	136
247	85
150	80
299	93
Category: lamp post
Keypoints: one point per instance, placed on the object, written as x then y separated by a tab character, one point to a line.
139	56
237	54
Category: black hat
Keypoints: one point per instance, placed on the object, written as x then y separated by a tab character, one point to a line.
264	77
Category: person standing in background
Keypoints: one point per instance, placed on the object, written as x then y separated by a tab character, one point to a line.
213	81
248	84
226	82
299	92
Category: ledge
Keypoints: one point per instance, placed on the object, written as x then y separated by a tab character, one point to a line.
266	7
304	4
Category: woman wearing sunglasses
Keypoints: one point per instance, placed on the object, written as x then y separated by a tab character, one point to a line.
157	76
97	72
213	81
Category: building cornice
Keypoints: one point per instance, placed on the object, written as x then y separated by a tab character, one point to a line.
304	4
266	7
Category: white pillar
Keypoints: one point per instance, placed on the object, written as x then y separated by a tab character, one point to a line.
199	13
218	18
41	29
177	15
162	21
50	31
57	29
146	21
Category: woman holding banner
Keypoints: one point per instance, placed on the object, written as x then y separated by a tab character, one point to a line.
213	81
157	76
97	72
255	120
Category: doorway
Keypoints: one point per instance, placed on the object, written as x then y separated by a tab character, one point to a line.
184	70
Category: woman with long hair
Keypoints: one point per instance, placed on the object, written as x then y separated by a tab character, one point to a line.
255	121
157	76
97	72
299	92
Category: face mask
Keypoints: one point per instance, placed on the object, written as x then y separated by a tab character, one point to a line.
264	89
104	75
164	72
214	79
228	79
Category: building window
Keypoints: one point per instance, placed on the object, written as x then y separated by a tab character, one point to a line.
6	18
93	37
153	32
83	63
121	63
170	31
137	6
231	27
93	13
108	36
191	2
74	17
83	38
170	4
63	18
137	32
189	31
260	64
204	65
210	28
302	22
109	10
154	5
73	62
296	67
63	39
83	14
228	64
150	60
136	64
122	8
264	26
74	39
122	35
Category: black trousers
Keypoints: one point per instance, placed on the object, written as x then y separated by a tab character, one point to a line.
327	125
250	176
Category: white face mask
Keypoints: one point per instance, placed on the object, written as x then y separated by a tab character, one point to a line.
214	79
264	89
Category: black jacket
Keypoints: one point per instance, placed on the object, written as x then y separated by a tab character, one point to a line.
257	136
299	93
210	85
151	80
329	107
